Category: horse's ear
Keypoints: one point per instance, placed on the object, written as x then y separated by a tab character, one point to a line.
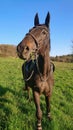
47	20
36	20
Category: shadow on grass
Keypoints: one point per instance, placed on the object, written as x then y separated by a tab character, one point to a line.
29	111
4	110
24	106
4	90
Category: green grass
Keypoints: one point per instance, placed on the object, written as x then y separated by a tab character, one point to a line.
17	113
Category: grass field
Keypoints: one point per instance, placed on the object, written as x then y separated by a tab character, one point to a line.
17	113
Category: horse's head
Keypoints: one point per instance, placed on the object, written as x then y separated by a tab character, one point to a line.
35	40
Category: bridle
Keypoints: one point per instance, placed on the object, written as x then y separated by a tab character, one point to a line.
37	42
38	47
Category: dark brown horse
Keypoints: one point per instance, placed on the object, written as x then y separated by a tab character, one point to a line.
38	70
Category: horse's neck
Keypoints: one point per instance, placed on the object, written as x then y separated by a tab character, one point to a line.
44	63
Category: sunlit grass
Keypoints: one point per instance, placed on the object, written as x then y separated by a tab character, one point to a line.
17	113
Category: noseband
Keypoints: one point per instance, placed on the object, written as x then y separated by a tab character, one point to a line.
38	46
37	42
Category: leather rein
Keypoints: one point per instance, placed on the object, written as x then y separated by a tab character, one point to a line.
36	54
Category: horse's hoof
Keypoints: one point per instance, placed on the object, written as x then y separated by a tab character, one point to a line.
39	127
49	117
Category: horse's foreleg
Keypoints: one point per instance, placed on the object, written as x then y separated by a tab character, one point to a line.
38	109
47	98
27	88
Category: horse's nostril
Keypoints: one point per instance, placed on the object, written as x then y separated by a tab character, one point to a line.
20	48
27	48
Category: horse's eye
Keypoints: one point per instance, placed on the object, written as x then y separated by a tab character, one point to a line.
43	32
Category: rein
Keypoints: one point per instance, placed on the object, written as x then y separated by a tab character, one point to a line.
32	72
36	51
30	76
29	67
38	46
41	76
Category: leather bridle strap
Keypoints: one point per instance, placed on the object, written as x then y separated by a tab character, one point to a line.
36	42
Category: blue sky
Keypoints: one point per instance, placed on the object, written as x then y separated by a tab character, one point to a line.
17	17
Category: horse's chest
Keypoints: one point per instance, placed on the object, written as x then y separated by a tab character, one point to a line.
42	86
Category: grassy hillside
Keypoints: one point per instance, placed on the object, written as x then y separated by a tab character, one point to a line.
10	51
63	58
7	50
17	113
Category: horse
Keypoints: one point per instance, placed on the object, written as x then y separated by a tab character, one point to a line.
38	69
